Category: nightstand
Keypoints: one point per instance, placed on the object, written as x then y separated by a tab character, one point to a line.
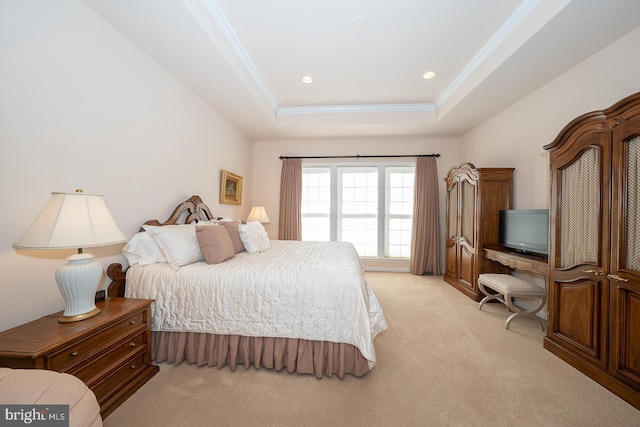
110	352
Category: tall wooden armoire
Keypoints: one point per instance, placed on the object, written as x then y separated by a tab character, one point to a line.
594	283
475	197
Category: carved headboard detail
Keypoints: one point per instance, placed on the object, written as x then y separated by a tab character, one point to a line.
193	209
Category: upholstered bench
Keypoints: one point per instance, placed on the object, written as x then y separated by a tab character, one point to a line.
41	387
507	287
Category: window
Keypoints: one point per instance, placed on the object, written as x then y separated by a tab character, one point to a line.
399	210
344	202
316	203
357	220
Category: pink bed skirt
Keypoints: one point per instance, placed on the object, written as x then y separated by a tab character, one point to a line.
297	355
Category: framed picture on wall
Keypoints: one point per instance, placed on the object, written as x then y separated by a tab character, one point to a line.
230	188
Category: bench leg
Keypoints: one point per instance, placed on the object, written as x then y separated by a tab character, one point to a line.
519	312
489	296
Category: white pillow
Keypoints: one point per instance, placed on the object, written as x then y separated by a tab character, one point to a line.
142	249
178	243
254	237
207	222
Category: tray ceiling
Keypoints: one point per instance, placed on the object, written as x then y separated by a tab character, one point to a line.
247	58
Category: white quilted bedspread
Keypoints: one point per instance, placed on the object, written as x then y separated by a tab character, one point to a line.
307	290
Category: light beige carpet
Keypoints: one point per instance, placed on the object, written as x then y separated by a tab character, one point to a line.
442	362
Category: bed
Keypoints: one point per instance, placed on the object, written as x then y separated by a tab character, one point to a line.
301	306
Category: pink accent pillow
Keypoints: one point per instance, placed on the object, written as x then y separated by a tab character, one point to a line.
232	228
215	243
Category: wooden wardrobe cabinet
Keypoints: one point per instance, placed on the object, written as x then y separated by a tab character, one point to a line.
475	197
594	280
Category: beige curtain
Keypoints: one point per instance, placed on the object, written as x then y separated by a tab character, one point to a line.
290	221
425	238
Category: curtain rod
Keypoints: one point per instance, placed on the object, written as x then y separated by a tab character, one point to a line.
358	156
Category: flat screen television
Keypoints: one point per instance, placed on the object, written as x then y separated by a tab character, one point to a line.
525	231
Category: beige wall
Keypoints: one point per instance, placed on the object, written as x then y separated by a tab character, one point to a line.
81	107
515	137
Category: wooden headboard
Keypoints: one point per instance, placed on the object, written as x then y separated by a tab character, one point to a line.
193	209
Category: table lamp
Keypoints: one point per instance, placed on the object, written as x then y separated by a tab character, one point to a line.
74	220
259	213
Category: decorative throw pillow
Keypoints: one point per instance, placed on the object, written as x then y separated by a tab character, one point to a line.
232	228
215	244
178	243
207	222
254	237
142	249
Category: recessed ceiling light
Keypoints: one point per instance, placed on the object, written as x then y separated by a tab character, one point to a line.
307	79
359	22
429	75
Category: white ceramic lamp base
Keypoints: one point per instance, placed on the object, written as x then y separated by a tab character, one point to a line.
78	281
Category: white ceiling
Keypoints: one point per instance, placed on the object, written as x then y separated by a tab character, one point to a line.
246	58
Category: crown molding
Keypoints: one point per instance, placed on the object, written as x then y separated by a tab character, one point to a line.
346	109
530	14
216	25
357	114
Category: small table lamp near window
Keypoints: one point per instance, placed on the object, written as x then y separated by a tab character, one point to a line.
74	220
259	213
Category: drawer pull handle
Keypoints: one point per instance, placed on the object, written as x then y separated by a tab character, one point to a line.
74	354
133	322
616	277
133	366
132	344
595	272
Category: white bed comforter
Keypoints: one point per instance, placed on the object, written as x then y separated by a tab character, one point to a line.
307	290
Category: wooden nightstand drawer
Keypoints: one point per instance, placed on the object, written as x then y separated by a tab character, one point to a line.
89	372
77	353
129	369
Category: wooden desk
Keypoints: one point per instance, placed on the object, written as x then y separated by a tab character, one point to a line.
517	261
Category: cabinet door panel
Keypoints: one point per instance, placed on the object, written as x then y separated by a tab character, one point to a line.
578	291
580	221
467	259
578	313
467	233
625	271
629	228
453	232
452	212
451	259
627	357
468	213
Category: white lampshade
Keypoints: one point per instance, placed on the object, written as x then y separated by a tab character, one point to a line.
259	213
74	220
